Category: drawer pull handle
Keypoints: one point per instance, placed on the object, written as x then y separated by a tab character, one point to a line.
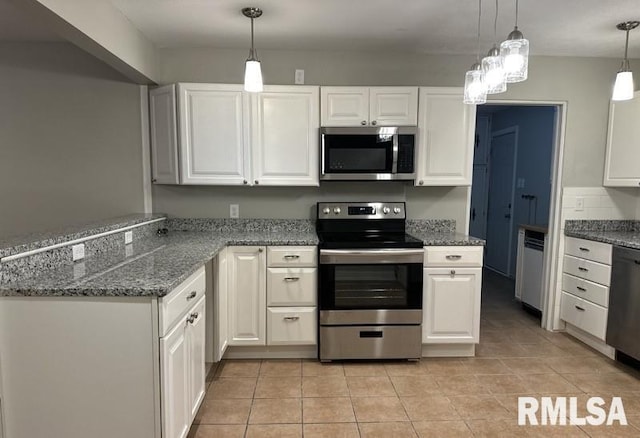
582	248
454	257
581	289
583	269
291	257
192	295
291	318
291	278
580	308
192	317
453	272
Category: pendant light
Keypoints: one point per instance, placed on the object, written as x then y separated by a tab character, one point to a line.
515	55
623	88
475	91
492	65
252	70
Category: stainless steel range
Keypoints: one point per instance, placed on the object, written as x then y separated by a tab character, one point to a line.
370	282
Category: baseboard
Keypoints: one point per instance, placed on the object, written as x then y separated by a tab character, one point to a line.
448	350
591	341
273	352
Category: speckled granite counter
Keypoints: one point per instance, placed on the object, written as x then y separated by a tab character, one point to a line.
440	232
622	233
152	267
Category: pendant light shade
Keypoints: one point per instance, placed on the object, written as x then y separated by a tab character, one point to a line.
515	55
623	87
252	68
475	91
494	72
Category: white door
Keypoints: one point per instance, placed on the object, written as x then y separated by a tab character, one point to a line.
451	305
500	205
247	295
214	134
285	141
393	106
221	303
174	369
622	167
344	106
164	135
446	137
196	332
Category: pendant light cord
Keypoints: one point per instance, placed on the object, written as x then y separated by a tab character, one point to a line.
626	47
516	14
478	40
252	49
495	25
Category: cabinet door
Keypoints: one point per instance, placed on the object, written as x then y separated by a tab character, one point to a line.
446	133
247	295
174	368
622	167
344	106
214	140
285	140
164	135
220	306
451	305
393	106
196	331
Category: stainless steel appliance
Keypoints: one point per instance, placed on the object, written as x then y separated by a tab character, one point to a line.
381	153
369	282
623	321
532	265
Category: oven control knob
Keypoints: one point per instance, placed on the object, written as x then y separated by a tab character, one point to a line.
396	210
326	210
386	210
336	210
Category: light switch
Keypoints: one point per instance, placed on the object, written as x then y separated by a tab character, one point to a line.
299	77
579	203
234	211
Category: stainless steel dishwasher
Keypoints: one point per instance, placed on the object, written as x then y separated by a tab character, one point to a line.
623	322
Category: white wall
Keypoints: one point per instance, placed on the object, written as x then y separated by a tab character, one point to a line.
69	139
585	83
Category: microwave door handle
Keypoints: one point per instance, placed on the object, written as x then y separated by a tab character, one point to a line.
322	145
394	165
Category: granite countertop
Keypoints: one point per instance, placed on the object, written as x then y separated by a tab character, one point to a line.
151	267
615	232
154	266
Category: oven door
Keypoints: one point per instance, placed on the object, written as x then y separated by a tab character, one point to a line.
370	286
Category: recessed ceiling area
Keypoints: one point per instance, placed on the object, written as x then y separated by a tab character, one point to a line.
554	27
17	26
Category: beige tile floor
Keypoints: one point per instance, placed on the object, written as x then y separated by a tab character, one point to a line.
466	397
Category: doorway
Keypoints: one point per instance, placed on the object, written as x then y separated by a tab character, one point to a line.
512	180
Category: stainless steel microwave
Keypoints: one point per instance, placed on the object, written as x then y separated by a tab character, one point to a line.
369	153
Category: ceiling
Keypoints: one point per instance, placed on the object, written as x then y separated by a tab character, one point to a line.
554	27
16	25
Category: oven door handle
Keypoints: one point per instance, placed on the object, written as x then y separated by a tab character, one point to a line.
370	256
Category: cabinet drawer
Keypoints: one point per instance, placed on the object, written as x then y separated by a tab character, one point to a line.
291	325
594	292
587	269
279	256
453	256
178	301
588	249
585	315
291	286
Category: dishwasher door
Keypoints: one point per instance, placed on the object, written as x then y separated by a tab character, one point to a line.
533	262
623	322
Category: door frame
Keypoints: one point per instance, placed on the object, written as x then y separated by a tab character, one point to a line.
552	264
515	130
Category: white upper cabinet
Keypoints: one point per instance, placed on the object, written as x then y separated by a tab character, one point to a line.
164	135
214	134
622	167
369	106
446	130
285	138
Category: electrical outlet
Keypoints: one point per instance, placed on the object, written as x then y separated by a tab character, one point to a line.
579	203
299	77
79	270
234	211
77	251
128	237
520	184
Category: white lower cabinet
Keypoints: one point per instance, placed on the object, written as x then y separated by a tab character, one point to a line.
174	368
451	305
451	300
270	294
